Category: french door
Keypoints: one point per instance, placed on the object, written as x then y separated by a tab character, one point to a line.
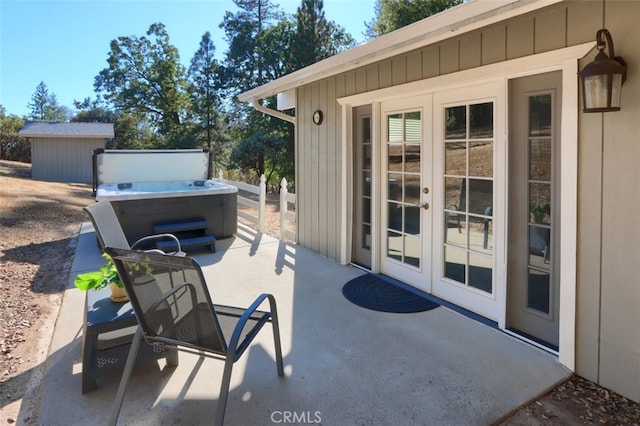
533	279
362	187
468	141
406	190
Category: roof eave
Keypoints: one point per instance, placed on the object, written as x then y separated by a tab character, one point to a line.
451	22
59	136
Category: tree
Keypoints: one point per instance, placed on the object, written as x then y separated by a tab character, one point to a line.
243	67
261	152
394	14
145	78
205	103
127	133
315	37
12	147
44	105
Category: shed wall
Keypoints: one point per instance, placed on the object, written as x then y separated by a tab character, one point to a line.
63	160
608	293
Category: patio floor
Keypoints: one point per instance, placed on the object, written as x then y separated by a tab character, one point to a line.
343	364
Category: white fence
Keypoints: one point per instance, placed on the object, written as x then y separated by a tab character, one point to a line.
287	217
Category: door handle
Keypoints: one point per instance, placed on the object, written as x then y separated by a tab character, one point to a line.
423	205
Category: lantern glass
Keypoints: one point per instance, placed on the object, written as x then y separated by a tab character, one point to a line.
597	89
616	85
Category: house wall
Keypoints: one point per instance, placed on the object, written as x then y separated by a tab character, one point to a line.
63	160
608	290
608	314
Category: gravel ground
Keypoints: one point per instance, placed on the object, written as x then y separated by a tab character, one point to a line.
39	223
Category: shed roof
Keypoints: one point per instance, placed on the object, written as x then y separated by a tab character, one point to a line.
34	129
452	22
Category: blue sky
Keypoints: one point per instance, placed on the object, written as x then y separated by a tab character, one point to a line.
65	43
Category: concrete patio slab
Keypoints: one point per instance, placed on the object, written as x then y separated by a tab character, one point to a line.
343	364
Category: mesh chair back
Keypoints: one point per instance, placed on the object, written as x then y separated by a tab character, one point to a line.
170	299
106	224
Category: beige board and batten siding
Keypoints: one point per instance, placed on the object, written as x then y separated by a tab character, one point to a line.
608	325
63	160
608	292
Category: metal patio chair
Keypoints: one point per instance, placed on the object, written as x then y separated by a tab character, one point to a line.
173	306
110	234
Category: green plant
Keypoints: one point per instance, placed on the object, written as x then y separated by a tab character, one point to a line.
100	279
539	209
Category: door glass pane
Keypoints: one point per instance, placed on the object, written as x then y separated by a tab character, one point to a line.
481	234
455	228
366	210
366	130
412	189
413	126
394	160
395	128
540	247
481	120
454	264
412	158
481	159
480	196
540	203
366	237
412	250
540	115
481	272
456	122
366	158
366	184
453	193
455	158
468	195
412	220
395	216
394	190
540	159
394	245
538	291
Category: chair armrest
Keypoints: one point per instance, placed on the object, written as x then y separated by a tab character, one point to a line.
179	252
237	331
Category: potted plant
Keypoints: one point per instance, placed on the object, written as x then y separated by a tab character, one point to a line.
539	211
107	275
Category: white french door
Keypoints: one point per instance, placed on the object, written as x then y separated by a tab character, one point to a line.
468	140
406	154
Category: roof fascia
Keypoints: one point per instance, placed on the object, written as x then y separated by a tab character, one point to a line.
60	136
452	22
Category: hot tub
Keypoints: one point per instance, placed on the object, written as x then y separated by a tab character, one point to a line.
141	205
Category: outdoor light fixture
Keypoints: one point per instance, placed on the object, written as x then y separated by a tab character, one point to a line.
602	79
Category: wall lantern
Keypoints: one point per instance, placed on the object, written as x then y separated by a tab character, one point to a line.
602	79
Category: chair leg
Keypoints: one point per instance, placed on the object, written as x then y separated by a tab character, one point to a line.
224	390
276	335
126	375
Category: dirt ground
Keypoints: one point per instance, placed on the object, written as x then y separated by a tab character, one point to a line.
39	224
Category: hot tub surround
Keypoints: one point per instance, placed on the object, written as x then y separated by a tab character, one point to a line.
141	205
162	189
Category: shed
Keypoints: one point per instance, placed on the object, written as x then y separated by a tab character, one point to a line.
61	152
453	155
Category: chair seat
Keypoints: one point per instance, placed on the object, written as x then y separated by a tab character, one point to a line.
196	330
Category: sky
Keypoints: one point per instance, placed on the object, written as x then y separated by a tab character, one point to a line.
65	43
